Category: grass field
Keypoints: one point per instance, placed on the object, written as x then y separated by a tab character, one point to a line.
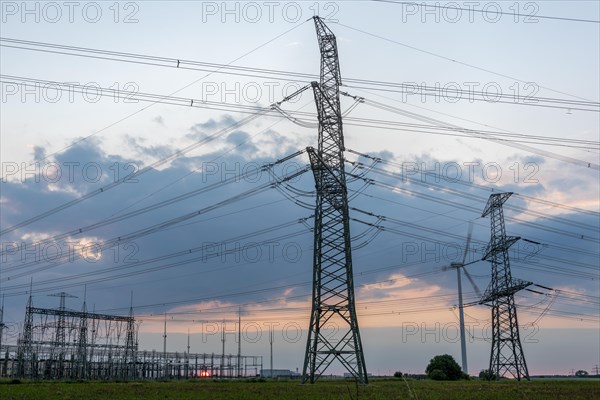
384	389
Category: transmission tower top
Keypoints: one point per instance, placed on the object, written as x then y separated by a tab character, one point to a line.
495	200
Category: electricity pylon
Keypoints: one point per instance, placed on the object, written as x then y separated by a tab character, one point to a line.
507	352
333	285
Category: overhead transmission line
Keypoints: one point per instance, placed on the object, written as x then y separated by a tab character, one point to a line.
440	127
542	201
300	77
488	11
453	60
177	198
187	195
583	296
133	175
553	270
593	267
469	196
110	243
213	159
172	93
381	218
254	115
386	303
399	189
201	254
479	134
303	118
173	255
273	288
258	111
421	228
163	203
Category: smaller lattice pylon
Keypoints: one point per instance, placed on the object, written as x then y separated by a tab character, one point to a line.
130	343
507	352
83	342
60	329
60	336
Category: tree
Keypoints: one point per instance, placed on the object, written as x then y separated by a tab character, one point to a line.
444	367
398	374
581	373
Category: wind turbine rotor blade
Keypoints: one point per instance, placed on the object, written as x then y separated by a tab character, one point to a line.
469	234
470	278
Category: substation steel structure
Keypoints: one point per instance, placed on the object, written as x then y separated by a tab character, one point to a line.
507	352
62	343
66	344
333	286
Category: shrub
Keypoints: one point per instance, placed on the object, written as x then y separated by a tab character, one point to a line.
438	375
447	365
487	375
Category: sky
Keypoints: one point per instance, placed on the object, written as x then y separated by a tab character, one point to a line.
204	229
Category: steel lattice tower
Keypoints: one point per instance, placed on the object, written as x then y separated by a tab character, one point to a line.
60	329
83	344
26	358
333	286
507	352
130	343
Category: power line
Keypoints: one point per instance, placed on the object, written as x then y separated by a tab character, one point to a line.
488	11
453	60
133	175
173	200
397	189
299	118
172	93
254	114
466	195
164	224
203	257
479	186
480	135
424	90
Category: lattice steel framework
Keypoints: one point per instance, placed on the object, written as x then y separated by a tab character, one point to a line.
102	346
507	351
60	344
333	286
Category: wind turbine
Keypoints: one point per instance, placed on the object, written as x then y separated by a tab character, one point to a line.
458	266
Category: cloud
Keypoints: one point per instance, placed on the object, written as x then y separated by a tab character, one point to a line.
242	142
202	130
145	151
159	120
256	252
39	153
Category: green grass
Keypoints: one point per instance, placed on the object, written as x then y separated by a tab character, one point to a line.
384	389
